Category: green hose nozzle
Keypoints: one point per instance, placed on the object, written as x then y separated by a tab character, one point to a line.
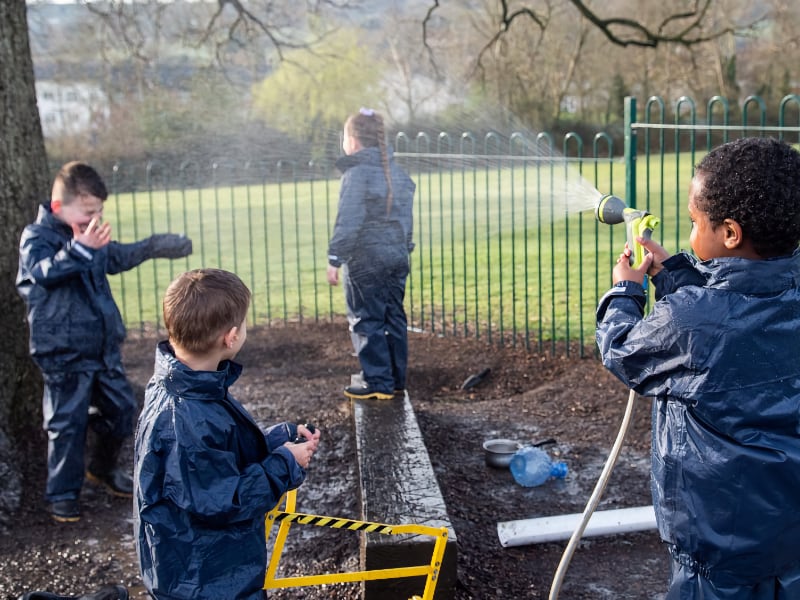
638	223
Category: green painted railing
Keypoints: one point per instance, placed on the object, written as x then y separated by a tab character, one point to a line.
507	246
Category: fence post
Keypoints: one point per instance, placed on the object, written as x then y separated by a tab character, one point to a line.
630	151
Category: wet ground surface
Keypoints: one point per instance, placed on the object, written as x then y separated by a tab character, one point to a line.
297	373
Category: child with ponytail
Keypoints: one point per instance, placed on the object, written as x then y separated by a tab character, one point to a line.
371	240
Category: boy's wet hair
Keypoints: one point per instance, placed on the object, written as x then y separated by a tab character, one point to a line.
201	305
755	182
76	179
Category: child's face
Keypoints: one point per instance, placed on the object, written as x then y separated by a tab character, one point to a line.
706	240
80	211
349	142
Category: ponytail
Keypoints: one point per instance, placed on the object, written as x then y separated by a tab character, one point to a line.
367	126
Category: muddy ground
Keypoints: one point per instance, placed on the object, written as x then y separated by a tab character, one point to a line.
297	373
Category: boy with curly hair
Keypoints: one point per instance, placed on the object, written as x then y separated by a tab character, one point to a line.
720	354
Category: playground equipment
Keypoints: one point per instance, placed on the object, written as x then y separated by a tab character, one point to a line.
286	518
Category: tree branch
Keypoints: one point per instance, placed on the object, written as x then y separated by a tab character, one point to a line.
426	45
620	31
244	17
642	36
505	22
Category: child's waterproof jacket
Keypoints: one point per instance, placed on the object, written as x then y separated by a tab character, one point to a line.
720	355
364	235
205	475
75	324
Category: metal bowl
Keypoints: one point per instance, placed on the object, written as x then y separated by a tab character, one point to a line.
498	452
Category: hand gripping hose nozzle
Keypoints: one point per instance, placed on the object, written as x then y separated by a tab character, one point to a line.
638	223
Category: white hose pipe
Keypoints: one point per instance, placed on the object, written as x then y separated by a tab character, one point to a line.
594	499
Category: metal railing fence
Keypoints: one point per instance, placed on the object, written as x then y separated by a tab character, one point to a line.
507	246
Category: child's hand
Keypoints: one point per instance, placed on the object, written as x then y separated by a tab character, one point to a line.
303	451
308	434
333	275
96	235
623	271
659	255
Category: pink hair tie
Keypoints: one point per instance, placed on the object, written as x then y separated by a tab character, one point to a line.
367	112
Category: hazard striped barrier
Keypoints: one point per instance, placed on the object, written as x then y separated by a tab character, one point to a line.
286	518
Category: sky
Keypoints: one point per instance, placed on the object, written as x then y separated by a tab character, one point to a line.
82	1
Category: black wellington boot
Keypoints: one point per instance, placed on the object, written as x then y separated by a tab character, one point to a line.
103	469
108	592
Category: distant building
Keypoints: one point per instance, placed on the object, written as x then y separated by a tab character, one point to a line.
570	104
70	109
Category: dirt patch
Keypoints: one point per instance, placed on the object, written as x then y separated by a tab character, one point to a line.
297	372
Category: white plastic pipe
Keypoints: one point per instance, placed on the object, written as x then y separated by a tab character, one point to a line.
560	527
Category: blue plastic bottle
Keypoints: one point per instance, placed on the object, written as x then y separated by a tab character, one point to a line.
532	466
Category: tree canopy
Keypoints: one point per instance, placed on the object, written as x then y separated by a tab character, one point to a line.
311	91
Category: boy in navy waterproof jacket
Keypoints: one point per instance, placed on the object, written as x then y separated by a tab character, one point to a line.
76	331
205	475
720	354
372	239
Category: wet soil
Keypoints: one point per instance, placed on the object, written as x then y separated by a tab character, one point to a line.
296	372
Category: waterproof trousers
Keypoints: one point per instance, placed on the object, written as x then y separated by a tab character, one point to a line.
73	403
378	322
687	584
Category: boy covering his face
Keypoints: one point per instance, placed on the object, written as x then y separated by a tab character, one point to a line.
76	331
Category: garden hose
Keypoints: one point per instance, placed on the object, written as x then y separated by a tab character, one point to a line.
610	210
594	499
638	223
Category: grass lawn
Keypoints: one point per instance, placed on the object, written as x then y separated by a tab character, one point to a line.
503	248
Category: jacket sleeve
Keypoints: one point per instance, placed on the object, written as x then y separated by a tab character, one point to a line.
350	216
642	352
410	234
203	478
47	260
124	257
679	270
279	434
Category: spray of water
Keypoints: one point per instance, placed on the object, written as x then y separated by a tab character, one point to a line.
572	194
477	159
502	169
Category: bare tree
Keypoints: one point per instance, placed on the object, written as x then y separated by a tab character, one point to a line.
228	28
768	64
410	89
23	171
686	27
540	58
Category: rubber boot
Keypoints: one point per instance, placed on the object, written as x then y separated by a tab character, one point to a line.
103	468
108	592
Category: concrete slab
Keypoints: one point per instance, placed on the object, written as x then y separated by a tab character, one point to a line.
399	486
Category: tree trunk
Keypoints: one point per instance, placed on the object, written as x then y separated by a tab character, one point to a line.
24	177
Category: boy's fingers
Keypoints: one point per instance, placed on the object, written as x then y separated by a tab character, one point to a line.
646	262
653	247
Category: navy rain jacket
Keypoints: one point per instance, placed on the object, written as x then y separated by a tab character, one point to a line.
205	476
720	355
75	324
363	232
